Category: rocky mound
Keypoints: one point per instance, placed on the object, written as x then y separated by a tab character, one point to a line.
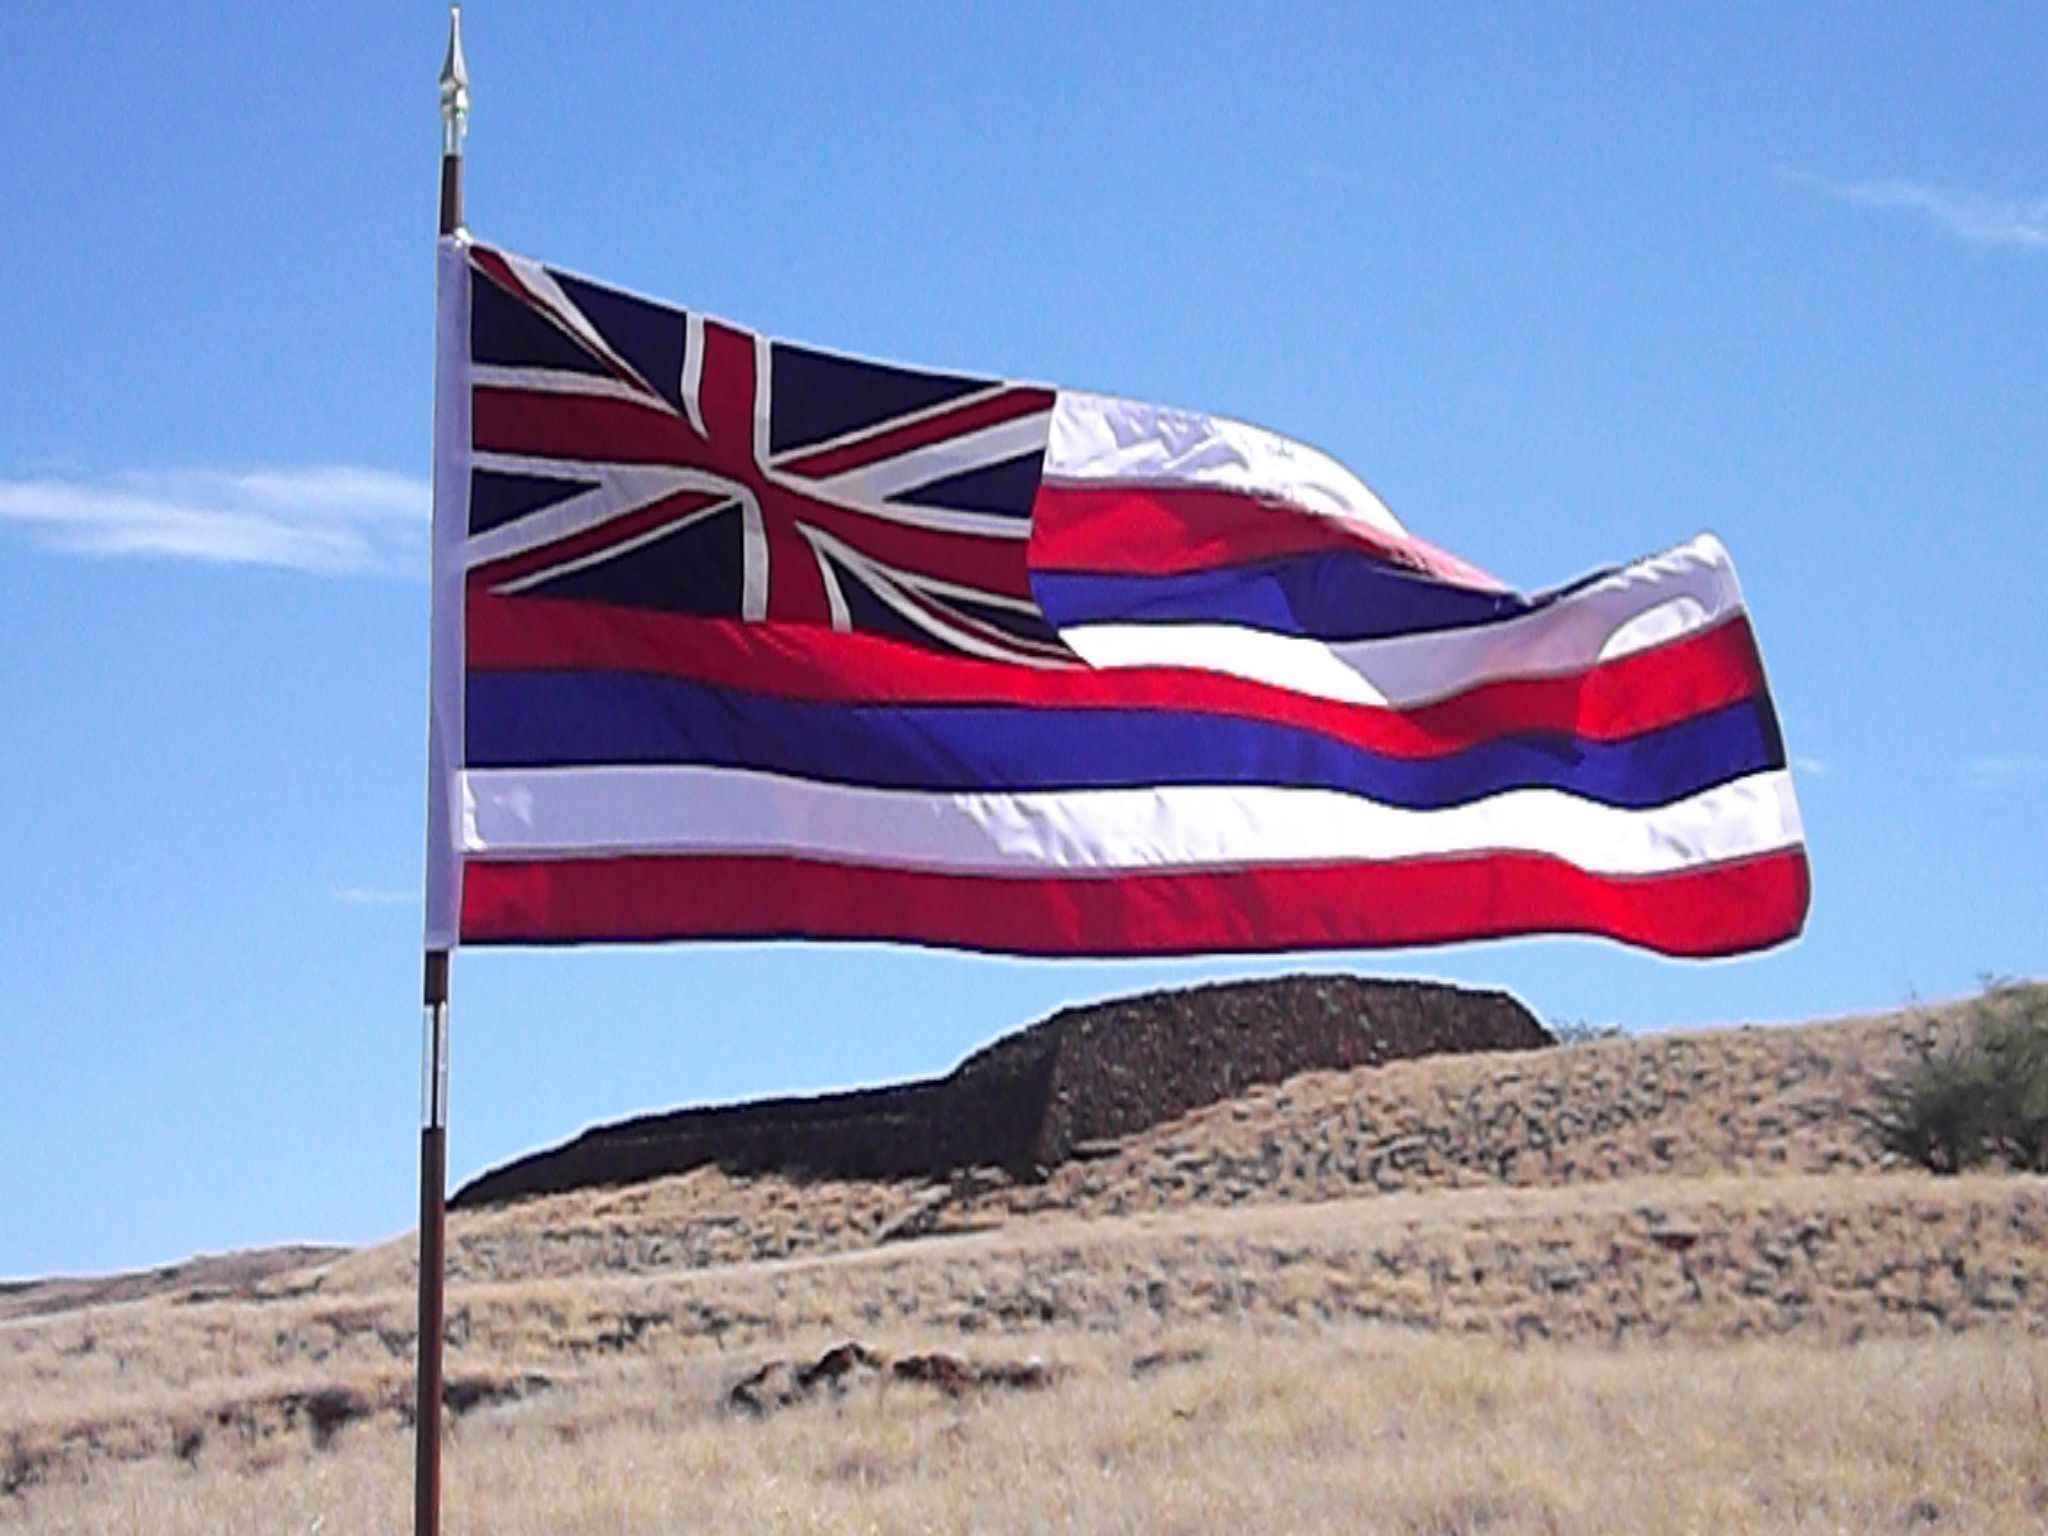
209	1277
1037	1098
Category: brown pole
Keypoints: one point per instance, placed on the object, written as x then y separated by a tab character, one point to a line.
433	1246
451	194
434	1044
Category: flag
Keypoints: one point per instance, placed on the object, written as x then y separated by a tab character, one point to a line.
740	639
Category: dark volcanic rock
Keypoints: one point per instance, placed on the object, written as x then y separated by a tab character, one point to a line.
1036	1098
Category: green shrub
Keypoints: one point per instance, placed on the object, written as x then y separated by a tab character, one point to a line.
1980	1099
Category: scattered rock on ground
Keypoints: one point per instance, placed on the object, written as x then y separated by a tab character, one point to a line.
783	1384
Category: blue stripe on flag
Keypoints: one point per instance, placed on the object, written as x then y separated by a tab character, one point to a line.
561	719
1331	595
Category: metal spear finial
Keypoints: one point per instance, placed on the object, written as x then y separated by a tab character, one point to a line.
454	88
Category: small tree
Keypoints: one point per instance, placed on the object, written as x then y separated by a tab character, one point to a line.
1983	1098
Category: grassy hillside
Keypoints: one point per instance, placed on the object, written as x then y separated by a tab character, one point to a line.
1626	1285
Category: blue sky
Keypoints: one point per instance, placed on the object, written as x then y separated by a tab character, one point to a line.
1565	284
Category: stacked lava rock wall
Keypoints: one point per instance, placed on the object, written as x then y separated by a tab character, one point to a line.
1124	1066
1030	1100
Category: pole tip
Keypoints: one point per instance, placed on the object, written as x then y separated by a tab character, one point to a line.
454	87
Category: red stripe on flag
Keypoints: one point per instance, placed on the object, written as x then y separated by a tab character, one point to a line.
1720	910
1612	701
1144	530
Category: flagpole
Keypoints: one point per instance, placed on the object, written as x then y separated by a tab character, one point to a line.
454	84
433	1223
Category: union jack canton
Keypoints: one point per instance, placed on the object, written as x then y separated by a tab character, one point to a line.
637	455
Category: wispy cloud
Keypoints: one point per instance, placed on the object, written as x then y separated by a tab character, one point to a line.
329	519
1977	217
373	896
1814	767
1998	772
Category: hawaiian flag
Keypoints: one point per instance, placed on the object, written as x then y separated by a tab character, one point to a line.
740	639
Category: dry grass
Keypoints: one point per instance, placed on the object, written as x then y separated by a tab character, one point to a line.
1692	1298
1765	1101
1344	1428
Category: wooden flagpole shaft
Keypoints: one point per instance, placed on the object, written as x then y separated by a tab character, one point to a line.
451	194
433	1244
434	1043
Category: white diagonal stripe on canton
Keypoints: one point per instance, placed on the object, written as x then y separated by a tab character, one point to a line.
874	483
621	489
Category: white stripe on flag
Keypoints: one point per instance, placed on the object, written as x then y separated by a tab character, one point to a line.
1650	603
563	812
1100	438
446	600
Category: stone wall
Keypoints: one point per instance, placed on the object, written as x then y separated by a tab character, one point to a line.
1036	1098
